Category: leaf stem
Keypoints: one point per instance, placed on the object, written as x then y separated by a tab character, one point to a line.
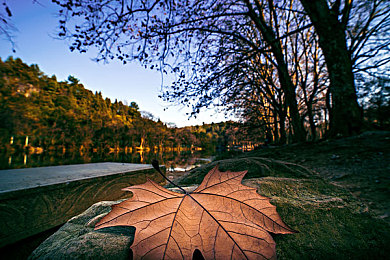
157	168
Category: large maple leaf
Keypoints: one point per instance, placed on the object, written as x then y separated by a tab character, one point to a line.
222	218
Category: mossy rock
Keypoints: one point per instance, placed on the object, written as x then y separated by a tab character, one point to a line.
331	223
256	167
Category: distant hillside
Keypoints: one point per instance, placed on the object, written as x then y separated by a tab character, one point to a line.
64	115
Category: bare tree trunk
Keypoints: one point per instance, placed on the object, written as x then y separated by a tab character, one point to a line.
345	115
312	124
299	134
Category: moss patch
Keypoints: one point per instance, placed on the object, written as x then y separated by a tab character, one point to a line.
332	224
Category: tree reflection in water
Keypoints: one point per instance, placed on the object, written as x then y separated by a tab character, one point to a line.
173	160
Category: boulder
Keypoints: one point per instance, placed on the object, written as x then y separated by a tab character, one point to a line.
332	223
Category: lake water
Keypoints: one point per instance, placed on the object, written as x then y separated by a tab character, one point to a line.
174	161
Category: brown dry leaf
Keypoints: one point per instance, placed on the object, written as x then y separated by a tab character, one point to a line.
222	218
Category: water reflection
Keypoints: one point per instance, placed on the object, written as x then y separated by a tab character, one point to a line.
174	160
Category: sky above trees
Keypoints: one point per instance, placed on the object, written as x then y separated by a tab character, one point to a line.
35	43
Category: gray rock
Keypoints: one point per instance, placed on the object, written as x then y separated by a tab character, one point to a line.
78	240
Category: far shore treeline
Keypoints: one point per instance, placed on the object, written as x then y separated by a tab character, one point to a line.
39	113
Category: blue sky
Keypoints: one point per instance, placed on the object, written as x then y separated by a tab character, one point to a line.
35	44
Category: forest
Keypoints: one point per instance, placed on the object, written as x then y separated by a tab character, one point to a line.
63	115
292	71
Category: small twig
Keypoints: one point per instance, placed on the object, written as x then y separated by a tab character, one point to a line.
157	168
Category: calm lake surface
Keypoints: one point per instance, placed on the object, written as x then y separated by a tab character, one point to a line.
174	161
